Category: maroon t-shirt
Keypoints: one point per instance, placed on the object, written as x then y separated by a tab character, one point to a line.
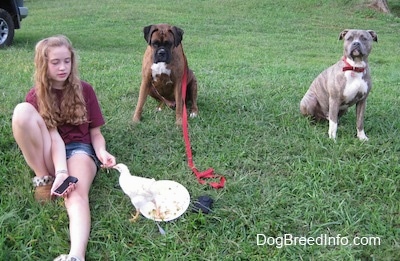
77	133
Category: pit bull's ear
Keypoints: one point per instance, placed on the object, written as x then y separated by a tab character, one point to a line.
374	35
343	33
178	35
148	32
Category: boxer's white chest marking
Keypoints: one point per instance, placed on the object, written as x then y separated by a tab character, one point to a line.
158	69
355	86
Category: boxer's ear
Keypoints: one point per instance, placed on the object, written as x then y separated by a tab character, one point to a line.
178	35
147	32
343	33
374	35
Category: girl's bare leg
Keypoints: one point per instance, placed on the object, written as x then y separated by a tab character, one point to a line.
77	203
33	138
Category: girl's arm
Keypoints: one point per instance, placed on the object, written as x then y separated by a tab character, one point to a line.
99	145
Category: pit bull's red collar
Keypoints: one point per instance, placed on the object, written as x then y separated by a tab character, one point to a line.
348	67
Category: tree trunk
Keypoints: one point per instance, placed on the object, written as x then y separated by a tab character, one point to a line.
380	5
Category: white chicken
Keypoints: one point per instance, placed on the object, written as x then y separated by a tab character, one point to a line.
137	188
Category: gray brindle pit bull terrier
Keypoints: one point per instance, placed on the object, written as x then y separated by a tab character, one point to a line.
344	84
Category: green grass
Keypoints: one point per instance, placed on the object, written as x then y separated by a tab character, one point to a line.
254	60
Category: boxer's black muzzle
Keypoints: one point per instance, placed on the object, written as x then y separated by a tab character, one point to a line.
162	55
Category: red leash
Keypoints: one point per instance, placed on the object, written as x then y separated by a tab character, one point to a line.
208	174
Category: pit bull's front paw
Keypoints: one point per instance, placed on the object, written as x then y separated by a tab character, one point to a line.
332	130
361	135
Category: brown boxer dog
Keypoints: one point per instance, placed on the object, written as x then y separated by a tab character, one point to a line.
163	66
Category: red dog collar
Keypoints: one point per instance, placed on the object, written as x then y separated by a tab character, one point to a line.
348	67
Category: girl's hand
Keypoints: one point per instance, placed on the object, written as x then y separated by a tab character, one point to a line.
58	181
106	159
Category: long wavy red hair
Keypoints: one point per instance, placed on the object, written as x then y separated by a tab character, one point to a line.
72	108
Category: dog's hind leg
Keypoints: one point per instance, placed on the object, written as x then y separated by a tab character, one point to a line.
309	106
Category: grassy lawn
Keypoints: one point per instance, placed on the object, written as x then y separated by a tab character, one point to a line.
254	60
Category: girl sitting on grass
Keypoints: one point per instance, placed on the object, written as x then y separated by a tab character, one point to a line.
58	132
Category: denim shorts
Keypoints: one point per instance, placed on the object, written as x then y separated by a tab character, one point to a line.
82	148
